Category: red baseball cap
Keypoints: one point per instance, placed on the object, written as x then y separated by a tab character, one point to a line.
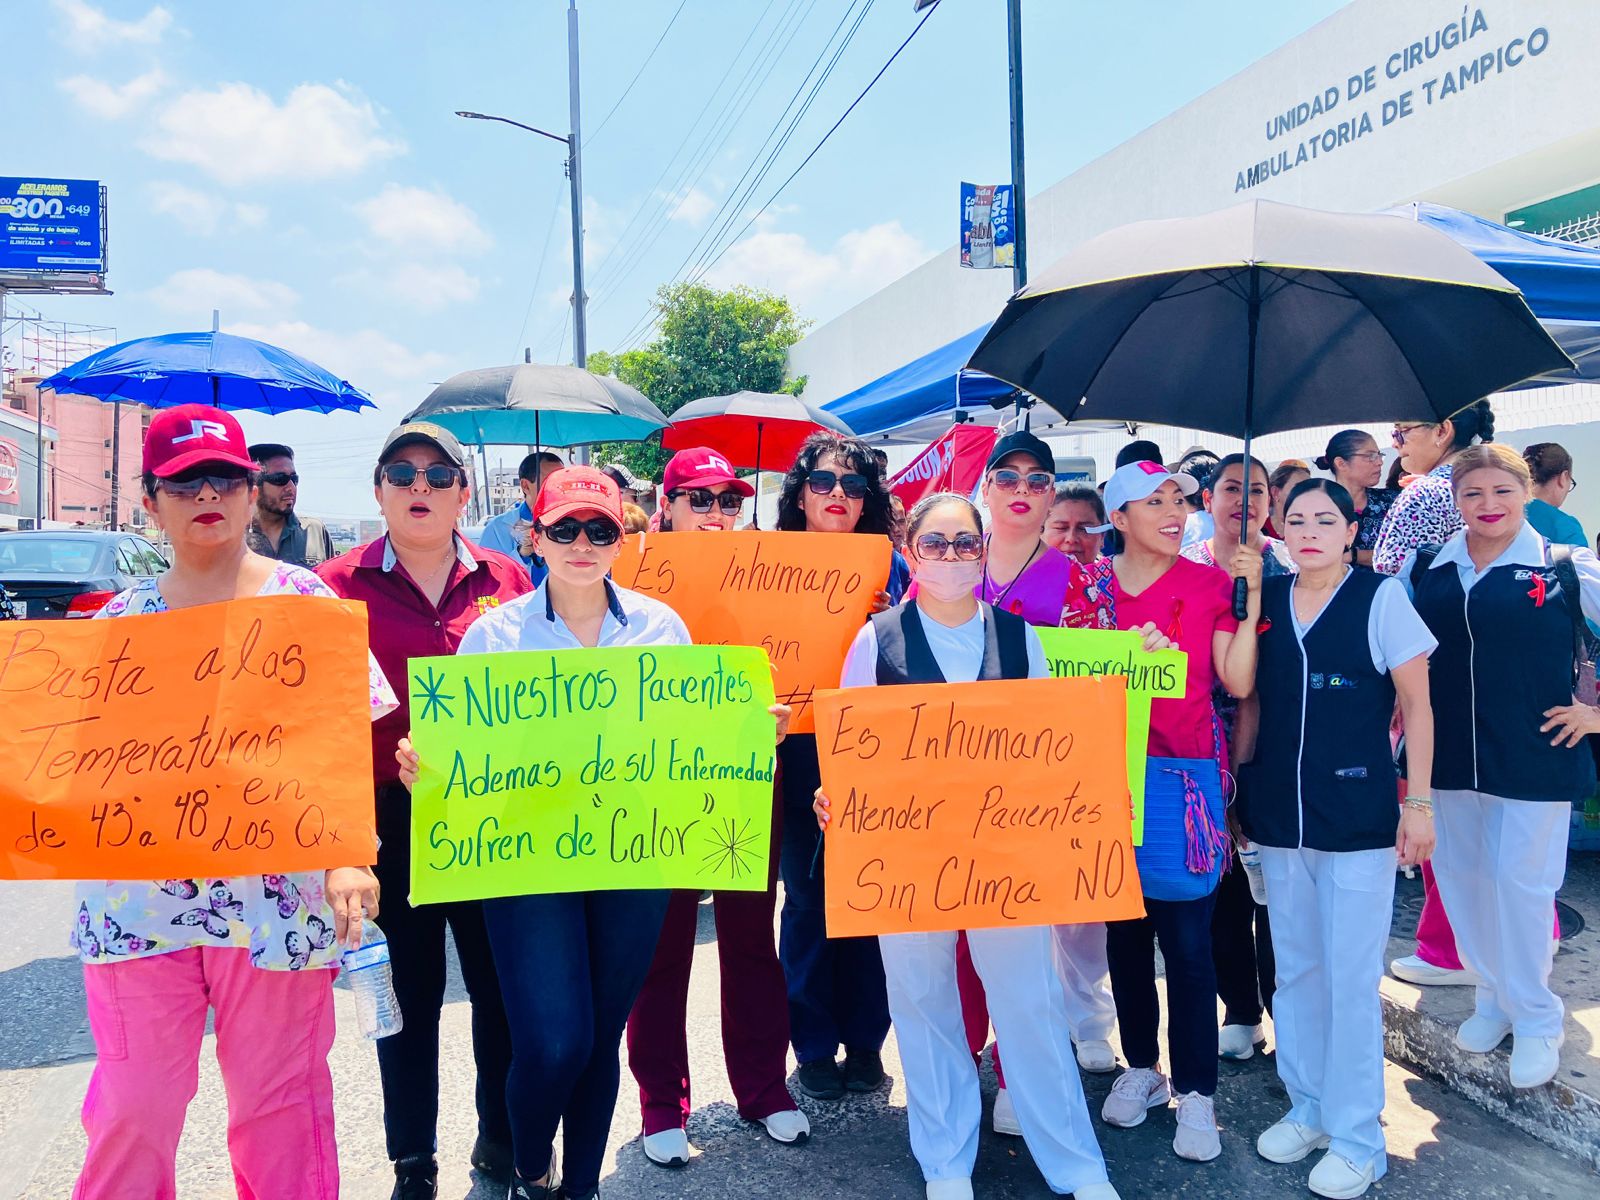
193	435
577	489
699	467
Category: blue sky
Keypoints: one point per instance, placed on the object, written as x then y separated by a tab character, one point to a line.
298	166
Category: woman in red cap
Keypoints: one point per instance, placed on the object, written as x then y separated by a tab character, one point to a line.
703	493
259	950
570	964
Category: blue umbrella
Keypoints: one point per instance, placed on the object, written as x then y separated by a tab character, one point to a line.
539	405
208	368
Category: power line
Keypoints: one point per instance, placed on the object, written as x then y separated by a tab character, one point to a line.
636	75
538	275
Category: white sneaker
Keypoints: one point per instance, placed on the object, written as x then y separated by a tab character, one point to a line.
1136	1091
1239	1042
1535	1060
1289	1141
1096	1056
1338	1178
1197	1138
949	1189
1096	1191
789	1126
1424	974
1005	1115
669	1148
1480	1035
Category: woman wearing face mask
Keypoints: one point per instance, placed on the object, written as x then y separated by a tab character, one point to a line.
1077	512
1337	645
570	964
1149	582
703	494
1241	933
946	635
1357	466
1508	758
260	950
836	990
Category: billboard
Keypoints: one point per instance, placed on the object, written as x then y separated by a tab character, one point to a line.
52	234
10	474
988	230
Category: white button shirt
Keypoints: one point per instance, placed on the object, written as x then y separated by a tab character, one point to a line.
531	623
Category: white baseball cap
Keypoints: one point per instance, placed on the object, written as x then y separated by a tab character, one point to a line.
1137	480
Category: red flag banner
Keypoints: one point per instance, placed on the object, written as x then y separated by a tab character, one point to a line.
954	463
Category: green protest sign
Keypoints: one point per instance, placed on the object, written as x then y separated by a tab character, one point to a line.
585	770
1121	652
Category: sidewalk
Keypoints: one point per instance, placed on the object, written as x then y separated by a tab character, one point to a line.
1420	1024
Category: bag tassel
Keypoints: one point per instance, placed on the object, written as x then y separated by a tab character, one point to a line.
1203	840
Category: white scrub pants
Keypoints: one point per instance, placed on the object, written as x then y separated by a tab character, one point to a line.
1028	1007
1499	864
1330	926
1081	960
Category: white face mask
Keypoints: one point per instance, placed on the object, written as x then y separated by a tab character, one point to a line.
945	580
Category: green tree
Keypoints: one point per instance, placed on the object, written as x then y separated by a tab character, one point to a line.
709	343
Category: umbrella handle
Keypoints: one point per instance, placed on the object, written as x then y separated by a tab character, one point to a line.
1241	599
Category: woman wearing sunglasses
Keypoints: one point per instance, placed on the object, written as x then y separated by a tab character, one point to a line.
1356	463
424	584
946	635
704	494
836	991
570	964
259	950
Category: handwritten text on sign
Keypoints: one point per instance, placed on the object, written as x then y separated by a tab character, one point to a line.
584	770
801	597
975	805
1076	652
229	739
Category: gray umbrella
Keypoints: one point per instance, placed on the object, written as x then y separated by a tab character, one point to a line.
1265	317
535	404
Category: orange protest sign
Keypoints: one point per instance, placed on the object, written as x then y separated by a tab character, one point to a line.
229	739
801	597
977	805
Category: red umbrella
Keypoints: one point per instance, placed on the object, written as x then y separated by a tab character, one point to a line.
763	430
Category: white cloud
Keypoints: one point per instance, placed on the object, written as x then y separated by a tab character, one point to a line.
90	28
363	356
692	207
198	290
418	287
110	100
200	212
421	220
821	283
238	134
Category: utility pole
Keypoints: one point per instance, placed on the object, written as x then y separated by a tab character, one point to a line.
580	319
1019	190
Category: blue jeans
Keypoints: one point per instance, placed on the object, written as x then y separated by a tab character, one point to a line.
836	988
1183	927
570	968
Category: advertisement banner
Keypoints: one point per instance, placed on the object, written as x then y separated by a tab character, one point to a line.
976	806
228	739
588	770
954	463
10	473
988	230
801	597
50	226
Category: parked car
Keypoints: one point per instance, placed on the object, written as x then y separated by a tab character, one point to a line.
72	572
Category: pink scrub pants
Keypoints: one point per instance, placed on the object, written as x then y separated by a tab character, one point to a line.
274	1029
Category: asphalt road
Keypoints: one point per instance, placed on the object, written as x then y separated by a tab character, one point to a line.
1440	1145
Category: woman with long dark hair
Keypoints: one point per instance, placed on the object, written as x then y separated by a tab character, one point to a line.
836	987
1356	463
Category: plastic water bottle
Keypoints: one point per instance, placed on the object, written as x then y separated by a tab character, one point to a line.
1250	860
372	982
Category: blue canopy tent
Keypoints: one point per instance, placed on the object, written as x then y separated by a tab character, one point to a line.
899	404
1560	281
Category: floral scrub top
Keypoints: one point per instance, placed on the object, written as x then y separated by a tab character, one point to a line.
1423	514
1379	502
283	920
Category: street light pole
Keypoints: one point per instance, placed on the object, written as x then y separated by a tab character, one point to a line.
1019	190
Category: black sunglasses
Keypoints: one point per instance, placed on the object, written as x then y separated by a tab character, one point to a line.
968	546
437	477
279	478
701	500
822	483
189	487
601	531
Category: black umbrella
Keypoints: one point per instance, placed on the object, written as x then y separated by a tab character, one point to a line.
535	404
1265	317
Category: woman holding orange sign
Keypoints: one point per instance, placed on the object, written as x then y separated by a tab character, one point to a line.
946	635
